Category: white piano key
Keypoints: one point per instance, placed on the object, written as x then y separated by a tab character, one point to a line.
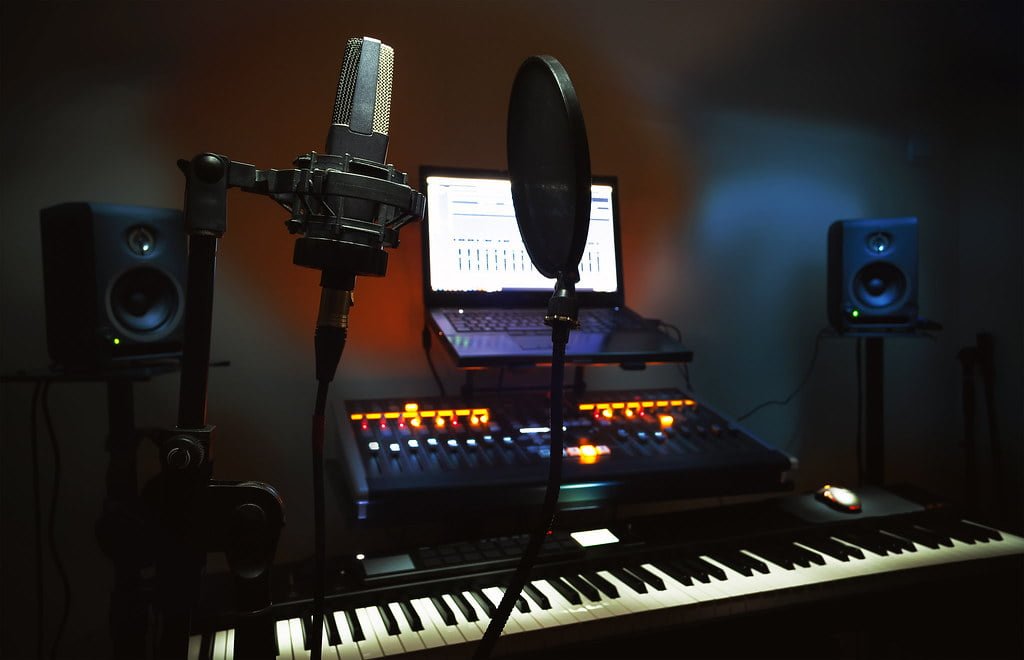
194	643
220	641
449	634
284	640
295	631
327	650
389	644
347	650
370	647
409	638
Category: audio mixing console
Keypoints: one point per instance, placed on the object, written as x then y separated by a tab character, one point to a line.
424	454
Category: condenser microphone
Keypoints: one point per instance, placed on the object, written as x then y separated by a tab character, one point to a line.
362	109
342	233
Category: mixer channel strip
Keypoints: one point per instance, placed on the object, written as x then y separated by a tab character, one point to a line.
623	446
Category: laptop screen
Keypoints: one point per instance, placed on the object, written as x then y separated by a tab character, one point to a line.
473	252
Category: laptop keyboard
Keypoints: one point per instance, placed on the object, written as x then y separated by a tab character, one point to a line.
531	321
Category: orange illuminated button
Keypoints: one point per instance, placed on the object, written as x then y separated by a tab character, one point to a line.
665	420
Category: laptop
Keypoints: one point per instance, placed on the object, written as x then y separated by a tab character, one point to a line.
487	302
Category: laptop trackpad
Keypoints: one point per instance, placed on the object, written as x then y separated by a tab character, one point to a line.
533	342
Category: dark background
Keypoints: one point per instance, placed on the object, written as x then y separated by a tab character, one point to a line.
739	130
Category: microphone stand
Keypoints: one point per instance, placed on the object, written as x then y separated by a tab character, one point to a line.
198	514
562	316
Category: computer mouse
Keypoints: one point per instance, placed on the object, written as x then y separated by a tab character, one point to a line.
838	498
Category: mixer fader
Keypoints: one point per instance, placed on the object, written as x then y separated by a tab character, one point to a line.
493	450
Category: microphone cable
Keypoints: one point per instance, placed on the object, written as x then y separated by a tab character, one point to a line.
329	343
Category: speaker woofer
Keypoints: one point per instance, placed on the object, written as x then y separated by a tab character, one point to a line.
144	301
879	285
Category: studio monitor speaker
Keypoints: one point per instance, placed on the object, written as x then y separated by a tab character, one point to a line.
114	283
872	274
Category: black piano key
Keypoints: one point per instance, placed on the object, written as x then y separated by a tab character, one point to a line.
588	590
442	608
485	603
464	606
648	577
775	553
411	615
521	603
962	531
603	585
734	560
630	580
307	630
694	567
566	591
982	531
333	634
917	535
537	596
712	570
676	572
804	555
899	540
754	563
832	547
354	626
871	540
390	623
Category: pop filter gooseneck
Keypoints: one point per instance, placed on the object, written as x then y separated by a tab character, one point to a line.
549	165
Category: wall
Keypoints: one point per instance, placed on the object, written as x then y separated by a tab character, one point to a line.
738	130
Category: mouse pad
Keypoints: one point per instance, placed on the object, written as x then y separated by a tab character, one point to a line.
874	501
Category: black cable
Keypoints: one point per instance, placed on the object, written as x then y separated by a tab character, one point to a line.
426	339
319	526
807	376
559	337
684	367
54	493
37	510
329	342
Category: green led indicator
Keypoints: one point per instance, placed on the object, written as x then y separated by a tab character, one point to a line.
117	341
855	313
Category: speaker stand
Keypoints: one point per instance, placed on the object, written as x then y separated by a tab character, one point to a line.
874	394
120	528
874	411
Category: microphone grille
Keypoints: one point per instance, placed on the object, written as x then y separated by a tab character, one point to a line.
382	105
347	82
344	100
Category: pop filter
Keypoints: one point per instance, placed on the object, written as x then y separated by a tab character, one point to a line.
549	166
